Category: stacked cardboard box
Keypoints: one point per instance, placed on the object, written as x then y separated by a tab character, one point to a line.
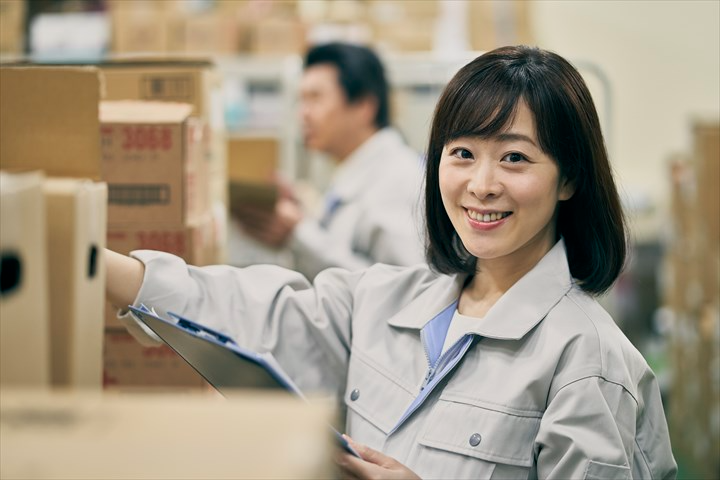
284	27
12	26
252	166
692	293
53	229
164	160
191	81
155	163
24	326
141	26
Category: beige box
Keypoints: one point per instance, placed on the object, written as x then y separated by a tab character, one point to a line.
154	162
213	32
194	243
139	26
49	120
252	159
278	36
706	137
174	79
76	230
12	26
252	165
24	331
163	436
192	81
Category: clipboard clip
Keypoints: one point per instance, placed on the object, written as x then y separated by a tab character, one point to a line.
201	330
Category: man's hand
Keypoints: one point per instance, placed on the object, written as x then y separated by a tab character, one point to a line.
273	228
373	465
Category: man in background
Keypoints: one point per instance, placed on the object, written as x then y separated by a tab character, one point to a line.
372	211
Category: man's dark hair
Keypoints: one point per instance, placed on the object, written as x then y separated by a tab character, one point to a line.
481	101
360	74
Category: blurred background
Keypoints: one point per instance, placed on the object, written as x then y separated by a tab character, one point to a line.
653	68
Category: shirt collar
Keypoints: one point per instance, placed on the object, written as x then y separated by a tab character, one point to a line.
522	307
359	169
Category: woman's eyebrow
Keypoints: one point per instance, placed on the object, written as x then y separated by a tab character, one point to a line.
515	137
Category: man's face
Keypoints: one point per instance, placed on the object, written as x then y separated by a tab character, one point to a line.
327	117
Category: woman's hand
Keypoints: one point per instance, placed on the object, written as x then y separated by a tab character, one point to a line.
373	465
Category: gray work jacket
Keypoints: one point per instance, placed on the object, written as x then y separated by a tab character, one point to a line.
549	388
372	211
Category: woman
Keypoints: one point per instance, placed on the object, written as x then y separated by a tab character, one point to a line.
495	362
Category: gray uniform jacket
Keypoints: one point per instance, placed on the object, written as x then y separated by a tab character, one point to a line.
371	212
548	388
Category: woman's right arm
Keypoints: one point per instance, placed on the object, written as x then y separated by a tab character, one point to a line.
261	307
124	278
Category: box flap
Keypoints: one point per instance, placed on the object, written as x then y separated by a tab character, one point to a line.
138	111
49	120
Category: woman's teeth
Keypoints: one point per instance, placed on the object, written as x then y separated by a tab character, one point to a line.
488	217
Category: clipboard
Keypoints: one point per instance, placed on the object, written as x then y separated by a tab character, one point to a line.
222	362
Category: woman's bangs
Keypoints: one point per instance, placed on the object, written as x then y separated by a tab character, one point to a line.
481	110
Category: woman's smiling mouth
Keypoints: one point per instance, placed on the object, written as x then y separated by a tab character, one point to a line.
487	217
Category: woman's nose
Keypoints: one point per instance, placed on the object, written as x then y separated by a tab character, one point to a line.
484	181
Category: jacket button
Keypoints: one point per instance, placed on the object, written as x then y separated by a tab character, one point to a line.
355	394
475	439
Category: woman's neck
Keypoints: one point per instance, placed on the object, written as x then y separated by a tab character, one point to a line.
492	279
481	293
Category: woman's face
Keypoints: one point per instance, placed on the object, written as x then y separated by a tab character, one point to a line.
501	193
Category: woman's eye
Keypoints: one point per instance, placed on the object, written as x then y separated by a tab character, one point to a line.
462	153
514	157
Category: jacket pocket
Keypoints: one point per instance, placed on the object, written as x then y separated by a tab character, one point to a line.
375	401
466	440
606	471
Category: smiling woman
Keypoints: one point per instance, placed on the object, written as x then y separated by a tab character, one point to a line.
495	361
536	106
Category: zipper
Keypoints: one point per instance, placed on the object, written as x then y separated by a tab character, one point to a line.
425	391
431	371
441	362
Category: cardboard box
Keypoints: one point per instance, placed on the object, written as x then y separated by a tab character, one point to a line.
192	81
187	80
217	166
126	363
252	159
278	36
211	32
253	435
193	243
24	332
405	37
49	120
154	162
12	26
252	166
76	231
139	26
706	137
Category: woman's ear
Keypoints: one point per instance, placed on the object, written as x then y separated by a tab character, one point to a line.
566	190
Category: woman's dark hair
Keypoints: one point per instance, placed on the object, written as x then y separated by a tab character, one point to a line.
360	74
481	101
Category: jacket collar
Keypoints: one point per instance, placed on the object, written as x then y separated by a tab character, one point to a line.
360	169
520	309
